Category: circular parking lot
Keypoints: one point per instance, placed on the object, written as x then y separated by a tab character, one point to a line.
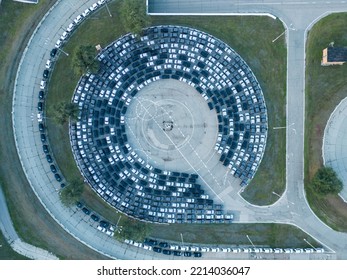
160	107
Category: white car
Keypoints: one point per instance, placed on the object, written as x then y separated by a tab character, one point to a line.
146	247
70	27
225	250
64	35
94	6
48	64
278	250
42	84
58	43
86	12
78	19
205	249
298	250
215	250
309	250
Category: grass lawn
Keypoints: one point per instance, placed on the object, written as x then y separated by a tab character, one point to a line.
267	60
273	235
325	88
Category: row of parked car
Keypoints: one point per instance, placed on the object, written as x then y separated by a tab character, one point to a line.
177	250
103	226
77	21
41	117
44	80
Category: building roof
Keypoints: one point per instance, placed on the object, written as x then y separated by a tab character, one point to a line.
337	54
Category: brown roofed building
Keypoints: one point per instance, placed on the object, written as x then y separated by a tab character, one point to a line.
334	56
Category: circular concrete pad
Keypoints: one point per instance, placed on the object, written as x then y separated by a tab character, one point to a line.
170	122
335	144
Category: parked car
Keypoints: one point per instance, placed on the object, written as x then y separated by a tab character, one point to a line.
187	254
104	224
41	127
197	254
157	249
43	137
86	12
177	253
49	158
42	84
53	168
166	252
48	64
95	217
94	6
57	177
45	73
45	149
40	106
86	210
151	242
163	244
41	94
53	53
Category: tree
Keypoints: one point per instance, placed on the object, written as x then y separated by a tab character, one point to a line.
326	181
134	230
72	192
63	111
134	16
84	61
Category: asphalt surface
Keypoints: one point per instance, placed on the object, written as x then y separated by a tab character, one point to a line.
291	208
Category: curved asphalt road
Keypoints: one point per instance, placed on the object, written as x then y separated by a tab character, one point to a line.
37	170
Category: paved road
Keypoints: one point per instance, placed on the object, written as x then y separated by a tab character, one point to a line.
13	239
44	185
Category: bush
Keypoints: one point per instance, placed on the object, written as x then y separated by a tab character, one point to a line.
72	192
326	181
84	61
133	16
63	111
134	230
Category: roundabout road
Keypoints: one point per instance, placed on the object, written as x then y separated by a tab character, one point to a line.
36	168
